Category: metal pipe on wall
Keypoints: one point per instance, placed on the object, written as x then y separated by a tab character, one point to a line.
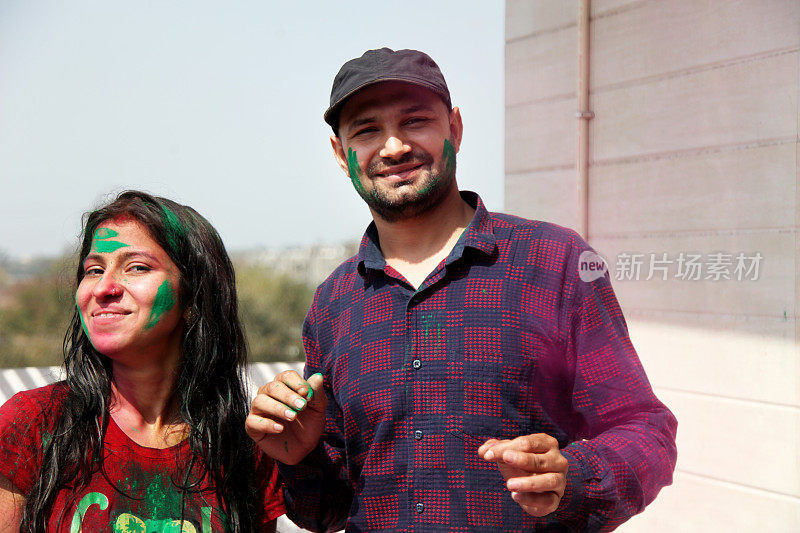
584	115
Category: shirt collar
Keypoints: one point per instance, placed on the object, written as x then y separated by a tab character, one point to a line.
478	235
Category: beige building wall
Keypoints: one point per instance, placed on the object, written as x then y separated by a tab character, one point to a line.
693	150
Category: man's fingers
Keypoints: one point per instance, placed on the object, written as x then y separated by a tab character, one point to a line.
537	504
292	380
551	461
537	443
551	482
277	400
486	446
258	427
316	394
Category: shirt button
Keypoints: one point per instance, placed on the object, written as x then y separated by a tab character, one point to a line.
416	364
420	507
418	435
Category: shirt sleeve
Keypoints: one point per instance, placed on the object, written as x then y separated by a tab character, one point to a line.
316	493
625	452
21	432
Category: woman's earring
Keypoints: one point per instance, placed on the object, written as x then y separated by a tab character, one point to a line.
190	315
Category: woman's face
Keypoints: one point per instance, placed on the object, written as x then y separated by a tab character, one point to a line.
128	297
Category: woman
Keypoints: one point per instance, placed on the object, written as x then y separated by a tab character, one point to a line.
147	432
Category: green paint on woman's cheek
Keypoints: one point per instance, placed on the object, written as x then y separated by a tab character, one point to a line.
354	169
83	324
163	302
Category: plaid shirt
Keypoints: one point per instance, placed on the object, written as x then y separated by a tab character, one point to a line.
502	339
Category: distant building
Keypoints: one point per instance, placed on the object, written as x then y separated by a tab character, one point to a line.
311	264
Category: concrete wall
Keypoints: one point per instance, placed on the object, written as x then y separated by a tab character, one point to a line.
694	149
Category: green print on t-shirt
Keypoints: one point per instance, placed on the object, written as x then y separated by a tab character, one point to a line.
130	523
153	505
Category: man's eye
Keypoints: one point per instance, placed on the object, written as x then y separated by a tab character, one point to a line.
416	120
365	131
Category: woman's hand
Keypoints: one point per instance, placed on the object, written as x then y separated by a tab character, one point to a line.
287	416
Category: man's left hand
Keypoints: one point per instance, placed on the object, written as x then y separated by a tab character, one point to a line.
534	470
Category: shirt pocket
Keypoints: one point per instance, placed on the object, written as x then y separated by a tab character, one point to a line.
494	397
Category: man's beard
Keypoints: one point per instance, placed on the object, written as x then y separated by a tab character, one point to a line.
425	195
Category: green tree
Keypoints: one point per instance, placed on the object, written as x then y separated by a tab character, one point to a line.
272	307
35	313
34	317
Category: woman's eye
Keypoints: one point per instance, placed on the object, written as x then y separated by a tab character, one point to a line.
93	271
139	268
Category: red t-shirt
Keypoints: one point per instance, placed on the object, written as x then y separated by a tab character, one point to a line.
137	493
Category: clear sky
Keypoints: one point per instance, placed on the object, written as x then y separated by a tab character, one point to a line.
217	105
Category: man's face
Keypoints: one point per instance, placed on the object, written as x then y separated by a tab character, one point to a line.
398	144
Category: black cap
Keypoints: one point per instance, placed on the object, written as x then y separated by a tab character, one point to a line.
384	64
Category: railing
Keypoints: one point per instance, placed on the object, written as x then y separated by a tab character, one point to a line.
14	380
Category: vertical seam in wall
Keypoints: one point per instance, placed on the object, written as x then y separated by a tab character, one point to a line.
796	310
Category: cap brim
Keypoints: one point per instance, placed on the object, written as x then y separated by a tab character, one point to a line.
331	115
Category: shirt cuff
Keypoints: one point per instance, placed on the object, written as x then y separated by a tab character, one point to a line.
589	495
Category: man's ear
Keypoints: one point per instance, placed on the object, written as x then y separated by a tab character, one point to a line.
338	153
456	127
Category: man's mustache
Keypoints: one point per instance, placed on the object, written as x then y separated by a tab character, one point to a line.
380	164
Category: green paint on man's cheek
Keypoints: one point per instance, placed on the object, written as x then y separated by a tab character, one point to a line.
354	169
449	157
163	302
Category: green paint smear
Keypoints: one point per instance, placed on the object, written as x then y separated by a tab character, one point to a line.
106	247
105	233
449	156
355	171
101	245
164	301
173	226
83	324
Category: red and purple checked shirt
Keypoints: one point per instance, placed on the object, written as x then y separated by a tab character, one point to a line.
502	339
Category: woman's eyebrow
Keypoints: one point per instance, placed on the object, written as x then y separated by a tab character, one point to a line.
123	256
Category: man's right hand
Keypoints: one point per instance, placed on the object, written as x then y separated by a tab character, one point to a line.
287	416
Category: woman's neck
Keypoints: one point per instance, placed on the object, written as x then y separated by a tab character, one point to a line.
144	404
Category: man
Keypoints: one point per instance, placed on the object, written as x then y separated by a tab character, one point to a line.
471	380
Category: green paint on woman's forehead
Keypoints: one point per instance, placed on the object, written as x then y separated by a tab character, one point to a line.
354	169
163	302
101	242
173	226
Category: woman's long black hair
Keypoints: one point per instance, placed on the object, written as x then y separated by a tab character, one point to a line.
209	387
